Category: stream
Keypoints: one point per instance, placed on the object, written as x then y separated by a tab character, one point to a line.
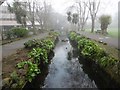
65	73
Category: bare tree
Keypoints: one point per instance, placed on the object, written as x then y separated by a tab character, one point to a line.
43	13
18	8
2	1
39	15
46	15
93	7
82	12
83	15
31	14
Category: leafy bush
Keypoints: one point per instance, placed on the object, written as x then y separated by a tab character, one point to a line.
72	35
33	43
92	51
19	32
9	34
47	44
53	34
14	77
107	61
89	49
39	54
32	69
78	37
82	43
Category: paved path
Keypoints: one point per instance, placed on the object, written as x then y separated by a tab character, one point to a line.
11	48
109	40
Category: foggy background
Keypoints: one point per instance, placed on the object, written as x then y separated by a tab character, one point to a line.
60	7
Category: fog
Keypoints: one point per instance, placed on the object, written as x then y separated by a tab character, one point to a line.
60	7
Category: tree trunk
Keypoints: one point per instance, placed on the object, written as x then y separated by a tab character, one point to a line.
93	25
34	29
83	26
103	31
78	26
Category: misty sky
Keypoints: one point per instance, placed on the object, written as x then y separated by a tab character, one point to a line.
60	6
106	7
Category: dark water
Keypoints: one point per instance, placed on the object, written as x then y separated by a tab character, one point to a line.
64	73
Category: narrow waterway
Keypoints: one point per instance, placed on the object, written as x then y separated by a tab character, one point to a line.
64	73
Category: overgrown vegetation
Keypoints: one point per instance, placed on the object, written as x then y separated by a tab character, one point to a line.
27	70
32	69
90	50
17	32
38	54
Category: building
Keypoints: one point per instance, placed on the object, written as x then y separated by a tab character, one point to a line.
7	19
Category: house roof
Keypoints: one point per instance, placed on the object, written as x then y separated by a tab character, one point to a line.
9	23
14	23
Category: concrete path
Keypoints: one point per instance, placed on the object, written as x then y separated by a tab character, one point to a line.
109	40
11	48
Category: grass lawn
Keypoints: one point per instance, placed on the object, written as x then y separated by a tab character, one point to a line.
112	32
110	50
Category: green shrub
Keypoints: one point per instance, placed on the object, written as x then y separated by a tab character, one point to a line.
16	81
39	54
33	43
53	33
107	61
83	42
19	32
72	35
92	51
47	44
32	69
9	34
78	37
89	49
14	77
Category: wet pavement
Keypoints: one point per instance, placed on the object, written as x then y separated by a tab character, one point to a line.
64	73
11	48
114	42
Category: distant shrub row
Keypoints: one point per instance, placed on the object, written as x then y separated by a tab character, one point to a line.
90	50
16	33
